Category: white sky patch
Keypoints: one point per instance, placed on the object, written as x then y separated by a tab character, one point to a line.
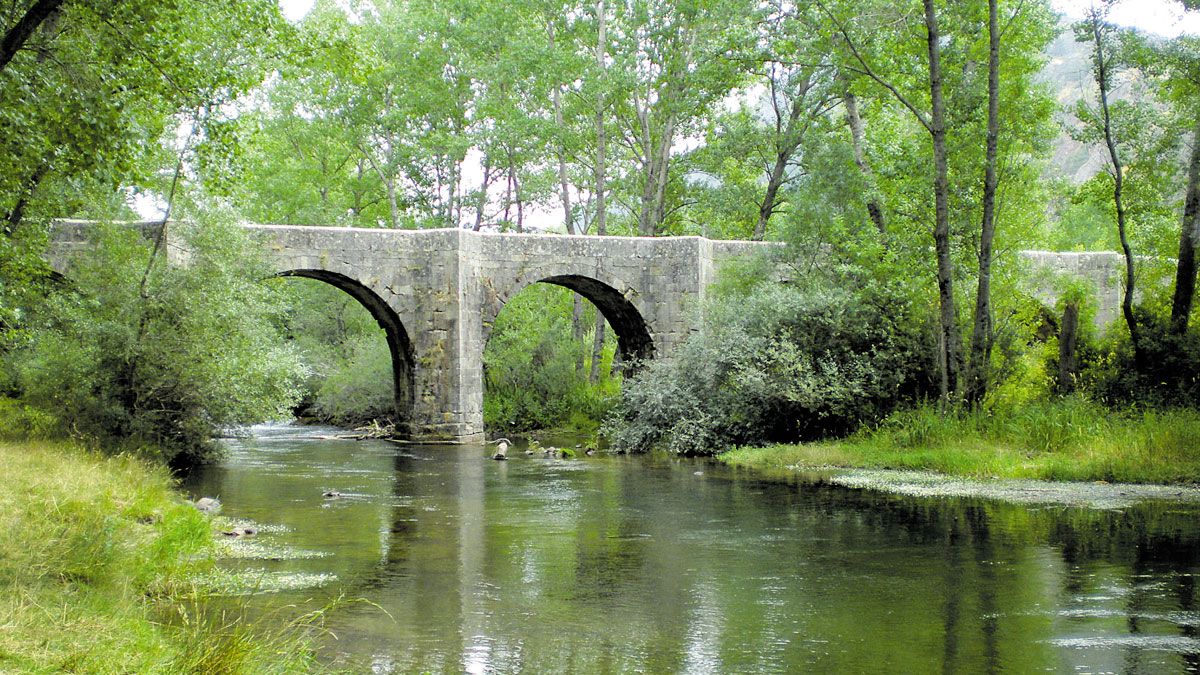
1160	17
294	10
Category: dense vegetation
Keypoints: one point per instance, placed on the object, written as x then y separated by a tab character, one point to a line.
138	353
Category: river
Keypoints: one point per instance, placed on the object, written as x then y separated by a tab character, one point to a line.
618	564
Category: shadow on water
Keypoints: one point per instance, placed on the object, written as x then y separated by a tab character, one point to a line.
655	564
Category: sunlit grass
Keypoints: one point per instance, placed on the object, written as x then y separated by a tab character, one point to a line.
1068	439
97	560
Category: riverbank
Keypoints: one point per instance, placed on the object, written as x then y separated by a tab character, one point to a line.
1065	440
97	558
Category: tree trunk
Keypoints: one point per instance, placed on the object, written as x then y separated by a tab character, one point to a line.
874	209
508	187
600	177
1102	79
1189	236
661	175
948	353
520	203
597	348
16	36
1068	339
481	204
560	149
578	333
393	206
453	215
645	227
789	135
981	334
14	217
769	199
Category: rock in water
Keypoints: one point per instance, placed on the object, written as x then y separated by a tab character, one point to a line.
207	505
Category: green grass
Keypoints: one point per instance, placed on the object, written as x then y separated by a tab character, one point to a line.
97	558
1066	439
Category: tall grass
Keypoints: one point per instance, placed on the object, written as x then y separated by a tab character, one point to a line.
96	557
1061	439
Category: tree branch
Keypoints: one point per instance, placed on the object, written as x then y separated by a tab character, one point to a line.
869	72
18	35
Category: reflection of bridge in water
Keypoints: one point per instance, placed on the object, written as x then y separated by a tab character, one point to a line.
436	294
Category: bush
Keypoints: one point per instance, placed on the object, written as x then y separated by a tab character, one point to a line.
359	388
160	364
777	362
1169	376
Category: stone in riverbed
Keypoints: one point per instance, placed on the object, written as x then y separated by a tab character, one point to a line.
207	505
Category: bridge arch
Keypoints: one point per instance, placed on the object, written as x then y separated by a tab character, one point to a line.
399	344
613	298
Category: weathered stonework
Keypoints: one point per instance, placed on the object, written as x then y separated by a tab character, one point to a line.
437	294
1102	271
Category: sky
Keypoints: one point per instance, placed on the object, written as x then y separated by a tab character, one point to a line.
295	10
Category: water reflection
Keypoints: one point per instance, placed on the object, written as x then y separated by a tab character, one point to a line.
619	564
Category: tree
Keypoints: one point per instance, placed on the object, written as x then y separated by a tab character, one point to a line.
1179	67
88	95
669	73
1103	35
933	119
981	333
16	36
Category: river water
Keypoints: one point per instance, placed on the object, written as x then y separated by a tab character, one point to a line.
618	564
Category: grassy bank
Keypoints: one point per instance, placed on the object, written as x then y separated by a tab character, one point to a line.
1067	439
96	557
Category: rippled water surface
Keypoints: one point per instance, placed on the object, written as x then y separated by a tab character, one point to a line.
615	564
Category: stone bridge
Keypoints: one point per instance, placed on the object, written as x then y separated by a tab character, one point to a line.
436	294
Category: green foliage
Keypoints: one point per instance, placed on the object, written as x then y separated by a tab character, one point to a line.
531	380
166	362
804	360
1169	376
350	380
359	388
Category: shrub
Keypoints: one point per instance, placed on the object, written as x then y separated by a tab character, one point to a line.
530	365
775	363
1168	377
359	388
165	362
